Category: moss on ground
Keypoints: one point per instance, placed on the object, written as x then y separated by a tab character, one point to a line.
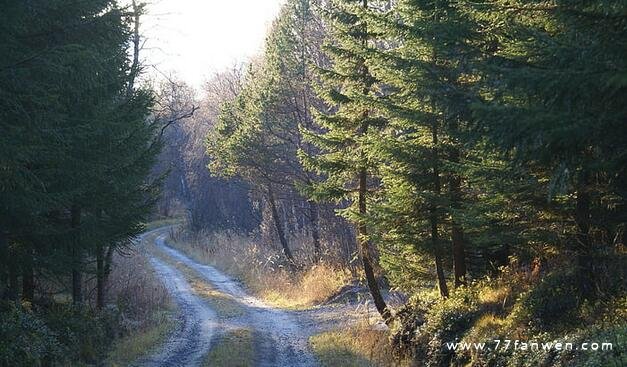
234	349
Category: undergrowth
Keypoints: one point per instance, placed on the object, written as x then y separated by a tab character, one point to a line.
513	306
53	332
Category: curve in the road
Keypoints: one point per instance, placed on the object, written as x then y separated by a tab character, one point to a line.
279	339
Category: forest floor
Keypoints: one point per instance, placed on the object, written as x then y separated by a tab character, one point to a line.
220	323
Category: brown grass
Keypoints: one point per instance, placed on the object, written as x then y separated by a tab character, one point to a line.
134	287
162	222
262	270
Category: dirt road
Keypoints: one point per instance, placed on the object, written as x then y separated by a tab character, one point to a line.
280	337
195	326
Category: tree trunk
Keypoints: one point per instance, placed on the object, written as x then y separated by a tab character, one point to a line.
134	72
315	230
12	286
435	236
585	256
457	233
28	278
100	278
279	227
459	255
439	269
77	276
4	273
366	253
108	260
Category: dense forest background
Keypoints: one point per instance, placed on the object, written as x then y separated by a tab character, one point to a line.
469	156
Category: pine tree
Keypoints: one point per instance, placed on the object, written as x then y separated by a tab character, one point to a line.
441	183
240	146
88	148
424	74
258	134
348	125
557	71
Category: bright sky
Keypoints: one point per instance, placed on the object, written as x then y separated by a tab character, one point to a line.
195	38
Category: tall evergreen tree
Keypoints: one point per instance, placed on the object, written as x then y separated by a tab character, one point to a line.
349	124
66	76
441	195
557	72
239	145
258	134
424	75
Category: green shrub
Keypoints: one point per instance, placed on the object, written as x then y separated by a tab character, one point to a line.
56	335
87	333
26	340
574	358
554	303
446	321
514	307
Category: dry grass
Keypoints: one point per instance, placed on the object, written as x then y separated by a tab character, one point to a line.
487	327
129	348
262	270
357	346
494	295
307	288
134	287
164	222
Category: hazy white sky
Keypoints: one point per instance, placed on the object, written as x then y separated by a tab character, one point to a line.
195	38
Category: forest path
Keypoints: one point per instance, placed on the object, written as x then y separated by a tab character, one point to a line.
195	327
279	337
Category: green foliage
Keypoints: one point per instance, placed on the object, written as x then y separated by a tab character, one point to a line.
546	98
346	128
512	307
75	145
26	340
579	358
446	321
58	335
75	153
494	127
554	302
86	335
257	136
